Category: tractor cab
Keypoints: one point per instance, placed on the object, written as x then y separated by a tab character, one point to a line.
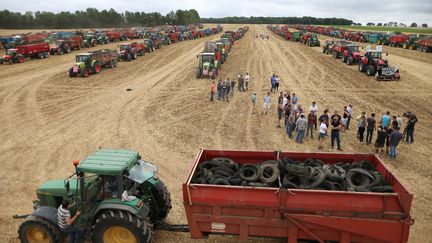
125	47
352	49
12	56
119	196
206	58
11	52
84	57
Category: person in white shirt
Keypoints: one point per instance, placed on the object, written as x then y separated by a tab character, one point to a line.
285	100
323	131
350	111
266	104
246	80
313	109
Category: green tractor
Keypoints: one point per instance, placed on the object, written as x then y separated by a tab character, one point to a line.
411	42
102	38
101	189
92	62
296	36
207	65
89	40
313	40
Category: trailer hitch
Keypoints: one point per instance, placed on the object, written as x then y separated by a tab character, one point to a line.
22	216
173	227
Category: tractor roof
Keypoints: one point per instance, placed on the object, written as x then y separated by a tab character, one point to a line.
207	54
108	162
84	54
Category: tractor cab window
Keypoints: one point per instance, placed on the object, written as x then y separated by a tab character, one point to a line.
141	172
82	58
10	52
375	54
207	58
125	47
353	48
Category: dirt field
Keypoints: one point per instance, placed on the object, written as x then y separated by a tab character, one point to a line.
47	119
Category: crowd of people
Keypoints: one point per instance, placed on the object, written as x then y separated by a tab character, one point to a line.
306	122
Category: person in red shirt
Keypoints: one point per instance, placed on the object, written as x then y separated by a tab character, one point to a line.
212	90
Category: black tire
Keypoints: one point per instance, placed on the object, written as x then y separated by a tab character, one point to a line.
370	70
111	64
160	204
364	164
268	173
327	185
317	177
32	224
335	55
71	73
222	173
382	189
361	66
358	178
225	168
140	229
221	181
350	60
249	172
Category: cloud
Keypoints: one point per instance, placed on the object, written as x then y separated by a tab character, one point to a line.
364	11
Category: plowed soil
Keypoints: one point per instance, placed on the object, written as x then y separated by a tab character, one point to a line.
48	119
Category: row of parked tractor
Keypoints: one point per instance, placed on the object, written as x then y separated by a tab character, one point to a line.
42	45
372	62
93	62
215	53
419	42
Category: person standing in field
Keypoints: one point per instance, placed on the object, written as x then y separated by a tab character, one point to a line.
280	109
386	120
254	99
301	124
322	134
212	90
277	81
410	128
273	83
314	109
361	126
224	92
380	140
294	101
246	80
345	116
219	89
286	113
395	138
311	120
335	129
399	121
233	83
266	104
370	127
291	124
351	113
240	81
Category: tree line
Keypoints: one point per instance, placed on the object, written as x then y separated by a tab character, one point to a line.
279	20
93	18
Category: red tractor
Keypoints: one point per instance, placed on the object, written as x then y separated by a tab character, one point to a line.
373	64
288	35
130	51
338	48
351	54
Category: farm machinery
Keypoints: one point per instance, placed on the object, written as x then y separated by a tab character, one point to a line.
425	44
373	64
328	45
12	56
130	51
89	40
150	45
296	36
60	47
17	55
411	42
207	65
310	39
397	40
379	39
351	54
213	47
102	38
100	189
92	62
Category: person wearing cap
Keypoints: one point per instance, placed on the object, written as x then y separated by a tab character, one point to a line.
65	223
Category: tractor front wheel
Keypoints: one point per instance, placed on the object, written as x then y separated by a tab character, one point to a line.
97	68
361	67
85	73
350	60
121	226
160	204
38	230
198	73
370	70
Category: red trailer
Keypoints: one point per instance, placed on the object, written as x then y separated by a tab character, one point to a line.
35	38
113	36
397	40
288	35
319	215
425	44
173	36
40	50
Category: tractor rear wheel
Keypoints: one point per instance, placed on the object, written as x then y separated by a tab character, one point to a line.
71	73
370	70
121	226
38	230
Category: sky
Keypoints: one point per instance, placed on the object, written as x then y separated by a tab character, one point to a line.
405	11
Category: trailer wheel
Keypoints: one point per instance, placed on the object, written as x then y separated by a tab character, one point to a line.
111	64
40	55
361	66
46	54
249	172
121	226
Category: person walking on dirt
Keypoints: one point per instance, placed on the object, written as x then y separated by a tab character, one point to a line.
314	109
301	124
351	113
246	80
370	127
311	123
219	89
345	117
241	83
335	129
291	124
286	113
277	80
410	128
65	223
294	101
224	92
212	90
254	99
228	87
380	140
395	138
266	104
273	83
233	83
322	134
280	109
361	126
325	117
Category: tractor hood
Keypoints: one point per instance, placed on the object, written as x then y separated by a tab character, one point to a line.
78	66
57	187
7	57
